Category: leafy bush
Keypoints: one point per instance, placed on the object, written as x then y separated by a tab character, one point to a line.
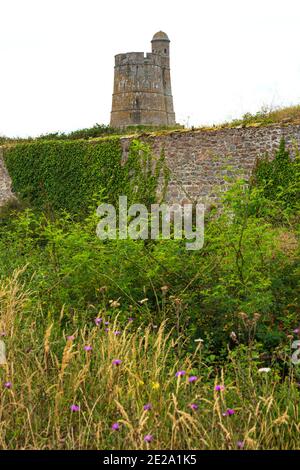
279	179
246	265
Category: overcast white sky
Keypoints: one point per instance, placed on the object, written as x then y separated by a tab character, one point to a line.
227	57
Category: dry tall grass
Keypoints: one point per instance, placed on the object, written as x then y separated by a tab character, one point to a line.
49	370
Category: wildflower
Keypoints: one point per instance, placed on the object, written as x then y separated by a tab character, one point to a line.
106	330
102	289
233	336
194	406
147	407
2	333
88	348
71	338
229	412
264	369
296	331
106	323
117	333
219	388
75	408
114	303
193	378
240	444
98	321
143	301
8	385
148	438
199	340
116	362
155	385
180	373
115	427
243	315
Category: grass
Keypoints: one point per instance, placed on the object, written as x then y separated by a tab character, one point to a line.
266	116
48	370
269	115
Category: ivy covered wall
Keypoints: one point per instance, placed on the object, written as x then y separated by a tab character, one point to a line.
196	165
75	175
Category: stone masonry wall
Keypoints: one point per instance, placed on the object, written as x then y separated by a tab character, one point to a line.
201	160
5	182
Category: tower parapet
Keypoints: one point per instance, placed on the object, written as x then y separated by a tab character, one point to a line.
142	87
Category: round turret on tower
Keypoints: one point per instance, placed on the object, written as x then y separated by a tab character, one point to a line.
161	44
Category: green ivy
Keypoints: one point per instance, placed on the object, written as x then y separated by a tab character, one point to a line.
76	175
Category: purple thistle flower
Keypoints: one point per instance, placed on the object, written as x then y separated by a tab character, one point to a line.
116	362
297	330
193	378
180	373
147	407
88	348
117	333
148	438
98	321
106	330
219	388
194	406
229	412
106	323
75	408
115	427
240	444
8	385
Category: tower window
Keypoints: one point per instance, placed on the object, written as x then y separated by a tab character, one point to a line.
165	51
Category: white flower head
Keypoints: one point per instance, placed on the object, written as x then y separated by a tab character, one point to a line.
233	336
264	369
2	353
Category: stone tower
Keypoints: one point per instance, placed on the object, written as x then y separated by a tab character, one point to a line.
142	87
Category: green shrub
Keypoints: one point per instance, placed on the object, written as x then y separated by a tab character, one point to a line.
242	267
279	179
